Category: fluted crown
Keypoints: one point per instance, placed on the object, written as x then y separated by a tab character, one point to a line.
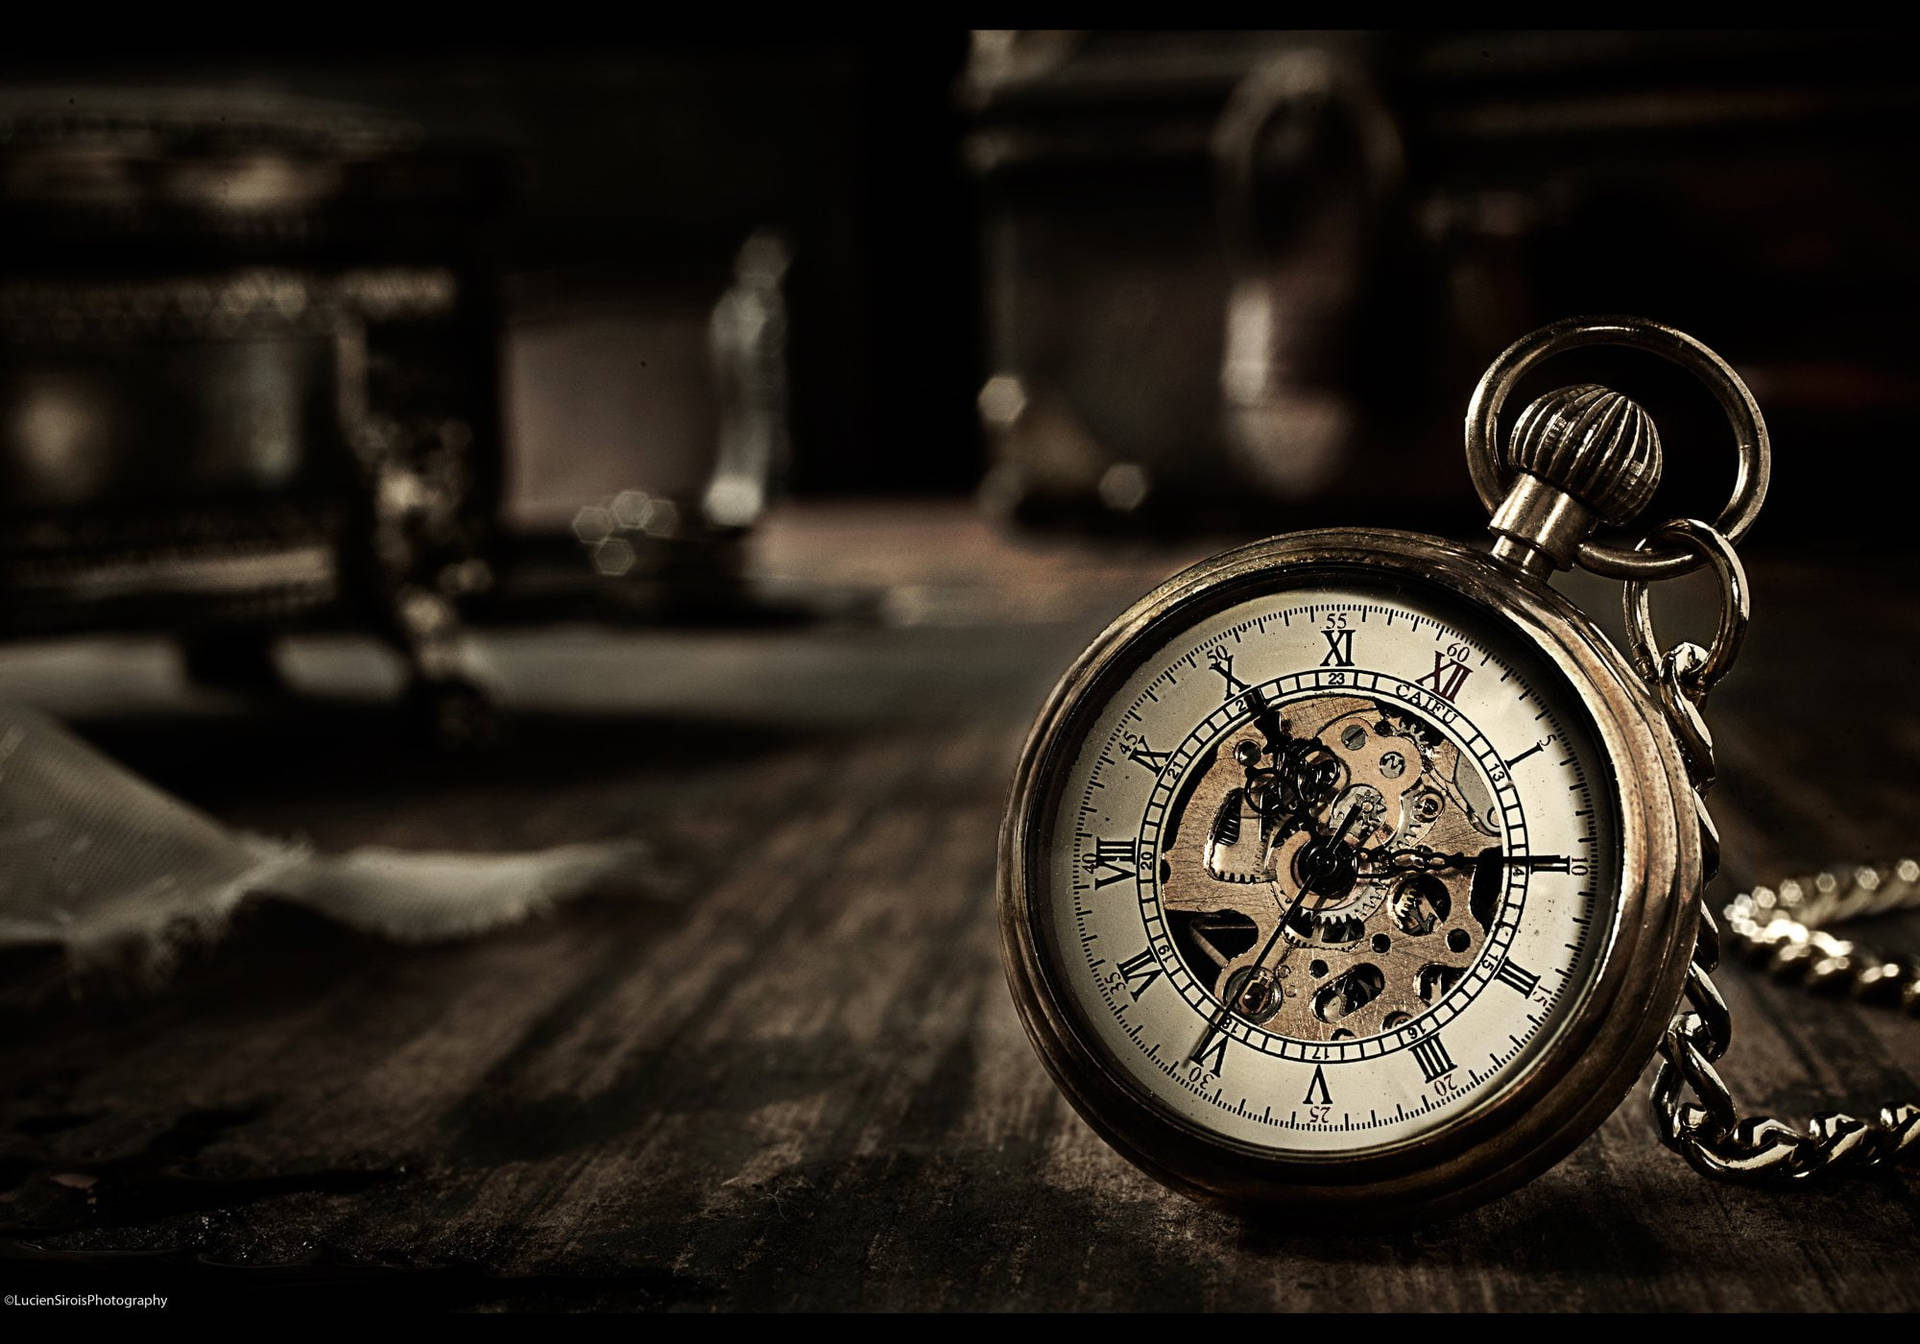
1592	443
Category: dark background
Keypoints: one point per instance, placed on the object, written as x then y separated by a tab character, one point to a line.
657	155
1753	187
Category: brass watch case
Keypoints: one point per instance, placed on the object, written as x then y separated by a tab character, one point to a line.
1576	1080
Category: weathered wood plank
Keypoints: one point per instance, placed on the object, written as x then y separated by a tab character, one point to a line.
782	1070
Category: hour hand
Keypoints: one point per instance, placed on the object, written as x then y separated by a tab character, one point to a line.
1539	863
1422	860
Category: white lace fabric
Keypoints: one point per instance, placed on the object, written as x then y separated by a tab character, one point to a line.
96	860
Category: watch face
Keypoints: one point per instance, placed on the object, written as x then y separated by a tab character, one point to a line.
1321	871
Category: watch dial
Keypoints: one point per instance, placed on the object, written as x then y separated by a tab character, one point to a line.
1325	870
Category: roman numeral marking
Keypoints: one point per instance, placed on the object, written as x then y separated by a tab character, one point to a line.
1523	980
1223	664
1111	861
1537	746
1339	648
1140	972
1446	677
1432	1057
1141	754
1211	1052
1319	1086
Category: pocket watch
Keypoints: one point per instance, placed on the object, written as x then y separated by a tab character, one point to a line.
1358	871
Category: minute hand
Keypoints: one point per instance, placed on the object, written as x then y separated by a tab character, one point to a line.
1259	973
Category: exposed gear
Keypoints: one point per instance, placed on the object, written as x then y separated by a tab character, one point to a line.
1377	947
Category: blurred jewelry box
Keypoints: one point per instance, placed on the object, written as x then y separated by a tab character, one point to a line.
247	374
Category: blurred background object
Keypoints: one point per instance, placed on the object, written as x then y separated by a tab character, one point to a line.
246	374
1248	276
661	401
651	270
417	342
1183	234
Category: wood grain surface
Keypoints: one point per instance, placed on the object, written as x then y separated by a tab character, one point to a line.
779	1068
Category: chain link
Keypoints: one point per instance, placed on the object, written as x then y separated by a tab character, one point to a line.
1785	931
1709	1131
1787	928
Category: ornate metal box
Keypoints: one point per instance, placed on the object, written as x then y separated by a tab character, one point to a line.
247	377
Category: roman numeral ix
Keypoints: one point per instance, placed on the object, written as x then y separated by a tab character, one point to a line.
1141	754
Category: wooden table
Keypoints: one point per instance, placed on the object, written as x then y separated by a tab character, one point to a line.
780	1069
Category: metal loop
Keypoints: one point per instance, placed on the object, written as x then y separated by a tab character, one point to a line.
1711	1009
1714	548
1755	465
1683	714
1708	1086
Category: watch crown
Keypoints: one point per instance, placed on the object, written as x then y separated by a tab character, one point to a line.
1592	443
1576	456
